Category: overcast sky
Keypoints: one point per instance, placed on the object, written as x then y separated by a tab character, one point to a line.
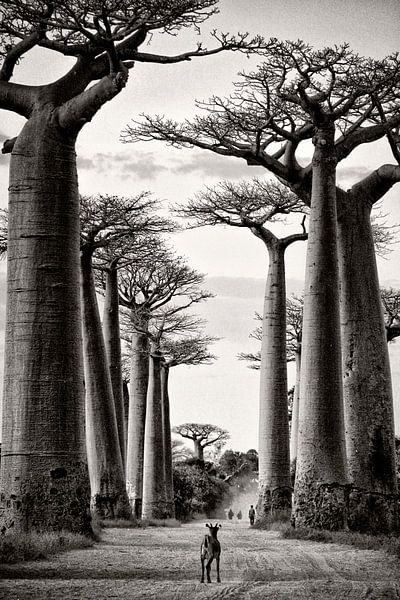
235	262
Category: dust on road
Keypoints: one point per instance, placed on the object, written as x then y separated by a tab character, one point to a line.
163	564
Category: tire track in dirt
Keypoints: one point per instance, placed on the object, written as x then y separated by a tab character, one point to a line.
163	563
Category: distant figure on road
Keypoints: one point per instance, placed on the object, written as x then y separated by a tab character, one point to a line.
230	514
252	514
239	515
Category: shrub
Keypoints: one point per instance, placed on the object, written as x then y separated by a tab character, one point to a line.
279	520
198	492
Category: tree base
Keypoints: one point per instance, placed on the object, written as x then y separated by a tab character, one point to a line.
156	510
371	512
136	507
273	501
320	506
110	507
59	501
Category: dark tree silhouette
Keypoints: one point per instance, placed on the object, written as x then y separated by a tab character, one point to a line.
202	435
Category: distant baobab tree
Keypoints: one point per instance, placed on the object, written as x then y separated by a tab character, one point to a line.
202	435
110	224
190	349
254	205
161	285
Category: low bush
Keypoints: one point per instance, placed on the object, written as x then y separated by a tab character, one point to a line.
199	492
278	521
17	547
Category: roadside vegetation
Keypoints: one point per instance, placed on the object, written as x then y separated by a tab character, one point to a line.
16	547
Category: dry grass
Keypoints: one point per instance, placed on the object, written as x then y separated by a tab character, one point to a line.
277	521
387	543
138	523
17	547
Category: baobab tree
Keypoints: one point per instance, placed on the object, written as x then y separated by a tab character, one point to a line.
109	259
144	290
158	497
253	205
294	323
105	220
184	350
339	101
203	435
45	449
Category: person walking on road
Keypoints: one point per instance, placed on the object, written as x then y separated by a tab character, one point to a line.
252	514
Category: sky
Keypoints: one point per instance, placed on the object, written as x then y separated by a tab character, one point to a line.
234	262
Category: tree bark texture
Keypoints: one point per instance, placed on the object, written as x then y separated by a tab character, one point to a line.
295	417
154	499
44	476
108	493
166	425
321	474
368	402
275	489
136	420
112	340
198	450
125	395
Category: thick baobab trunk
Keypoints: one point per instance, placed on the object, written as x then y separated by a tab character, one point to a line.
154	501
368	403
108	494
112	340
125	396
198	450
166	425
137	420
44	476
295	417
275	489
321	474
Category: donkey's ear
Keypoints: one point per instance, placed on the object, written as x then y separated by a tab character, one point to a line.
220	526
207	525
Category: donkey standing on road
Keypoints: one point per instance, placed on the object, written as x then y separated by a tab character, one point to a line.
210	549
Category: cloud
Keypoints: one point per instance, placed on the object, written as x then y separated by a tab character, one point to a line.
213	165
143	166
352	174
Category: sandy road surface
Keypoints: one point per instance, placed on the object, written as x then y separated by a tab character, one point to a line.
163	563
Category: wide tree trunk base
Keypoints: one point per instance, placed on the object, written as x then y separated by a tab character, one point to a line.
320	506
136	507
111	506
155	510
55	500
170	510
273	501
372	512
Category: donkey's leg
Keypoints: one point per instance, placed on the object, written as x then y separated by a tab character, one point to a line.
208	569
218	577
202	568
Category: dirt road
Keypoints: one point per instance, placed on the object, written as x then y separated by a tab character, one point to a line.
163	563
